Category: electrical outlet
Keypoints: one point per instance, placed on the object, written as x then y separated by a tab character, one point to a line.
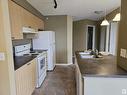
2	56
124	91
123	53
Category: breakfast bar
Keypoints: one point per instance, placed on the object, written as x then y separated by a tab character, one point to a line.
99	71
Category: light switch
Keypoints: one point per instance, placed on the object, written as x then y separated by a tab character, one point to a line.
2	56
123	53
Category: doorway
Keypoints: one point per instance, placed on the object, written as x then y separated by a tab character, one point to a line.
90	37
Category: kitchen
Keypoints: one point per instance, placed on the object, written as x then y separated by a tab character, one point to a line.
22	18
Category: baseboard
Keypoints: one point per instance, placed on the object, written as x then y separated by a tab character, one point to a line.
64	64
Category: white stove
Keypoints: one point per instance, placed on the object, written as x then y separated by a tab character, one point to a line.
41	59
41	67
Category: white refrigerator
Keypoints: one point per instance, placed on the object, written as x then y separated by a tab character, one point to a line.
46	41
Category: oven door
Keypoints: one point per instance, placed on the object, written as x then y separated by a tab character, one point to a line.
41	65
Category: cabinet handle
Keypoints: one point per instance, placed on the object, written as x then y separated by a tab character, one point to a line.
28	63
13	38
29	26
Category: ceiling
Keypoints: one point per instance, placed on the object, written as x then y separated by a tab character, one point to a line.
78	9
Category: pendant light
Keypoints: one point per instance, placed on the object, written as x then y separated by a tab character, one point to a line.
117	17
105	21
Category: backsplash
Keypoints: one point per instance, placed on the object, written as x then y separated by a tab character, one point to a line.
21	42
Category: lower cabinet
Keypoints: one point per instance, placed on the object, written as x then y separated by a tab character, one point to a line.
105	86
26	78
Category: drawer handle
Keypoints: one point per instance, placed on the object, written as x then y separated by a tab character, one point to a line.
13	38
28	63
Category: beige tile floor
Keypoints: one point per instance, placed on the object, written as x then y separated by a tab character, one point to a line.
59	82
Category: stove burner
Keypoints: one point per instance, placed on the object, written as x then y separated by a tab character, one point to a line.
36	52
30	54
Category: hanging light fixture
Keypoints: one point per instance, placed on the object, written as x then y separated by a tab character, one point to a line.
117	17
105	21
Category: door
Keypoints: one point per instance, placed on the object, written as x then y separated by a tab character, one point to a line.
41	64
43	40
90	41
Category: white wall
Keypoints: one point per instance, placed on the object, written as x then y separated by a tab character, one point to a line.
104	86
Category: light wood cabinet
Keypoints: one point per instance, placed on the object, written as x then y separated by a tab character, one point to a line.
20	17
16	20
26	78
30	20
40	24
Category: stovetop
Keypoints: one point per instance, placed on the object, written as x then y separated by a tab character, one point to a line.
37	51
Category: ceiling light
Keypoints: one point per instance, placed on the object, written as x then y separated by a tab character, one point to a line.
117	17
105	21
98	12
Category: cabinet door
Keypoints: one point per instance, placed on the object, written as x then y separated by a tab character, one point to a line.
40	24
28	19
26	79
35	22
16	20
32	76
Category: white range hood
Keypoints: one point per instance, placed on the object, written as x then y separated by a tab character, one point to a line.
29	33
27	30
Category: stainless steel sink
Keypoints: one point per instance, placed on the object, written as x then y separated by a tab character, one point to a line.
88	55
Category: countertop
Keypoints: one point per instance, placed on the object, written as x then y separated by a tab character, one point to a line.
100	67
19	61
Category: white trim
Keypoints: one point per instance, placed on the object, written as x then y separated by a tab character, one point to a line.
94	27
69	39
107	38
63	64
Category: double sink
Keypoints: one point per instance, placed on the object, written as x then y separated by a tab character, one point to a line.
92	54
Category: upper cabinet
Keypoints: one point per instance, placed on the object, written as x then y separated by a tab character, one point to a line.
22	18
30	20
16	20
38	23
